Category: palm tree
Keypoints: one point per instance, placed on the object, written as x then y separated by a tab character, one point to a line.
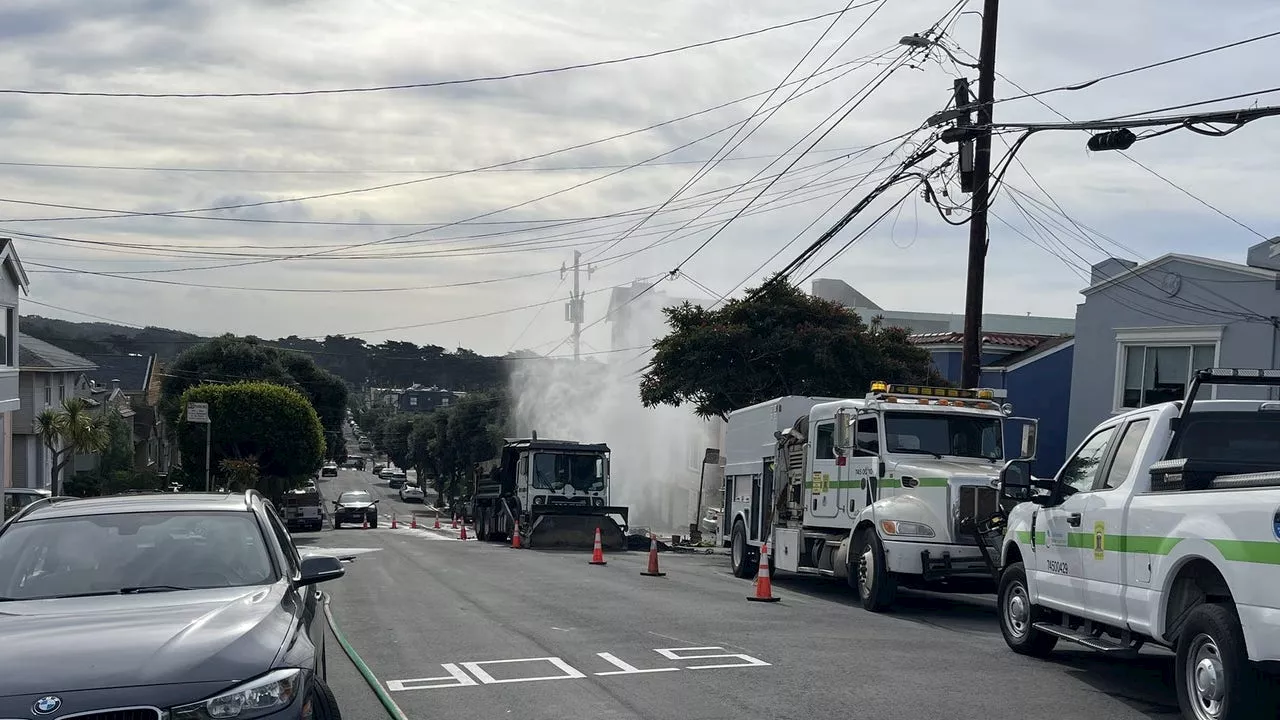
73	429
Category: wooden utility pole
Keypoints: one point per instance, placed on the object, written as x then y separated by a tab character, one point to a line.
972	360
574	310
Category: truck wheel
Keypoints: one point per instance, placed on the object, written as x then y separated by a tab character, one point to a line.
1214	678
740	552
1017	614
876	588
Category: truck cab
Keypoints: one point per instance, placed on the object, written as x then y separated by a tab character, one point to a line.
1163	527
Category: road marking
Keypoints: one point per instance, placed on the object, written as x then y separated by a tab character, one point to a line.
305	550
457	672
627	668
455	678
568	671
747	660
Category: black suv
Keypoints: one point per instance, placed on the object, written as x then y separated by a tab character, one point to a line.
160	607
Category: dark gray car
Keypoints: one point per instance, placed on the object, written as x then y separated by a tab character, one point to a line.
160	607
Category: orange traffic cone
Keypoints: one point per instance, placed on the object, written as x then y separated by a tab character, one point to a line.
597	551
764	586
437	525
653	558
413	521
515	536
364	524
393	521
455	522
463	535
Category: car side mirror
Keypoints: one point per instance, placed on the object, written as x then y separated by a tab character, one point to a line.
843	431
1015	480
1027	430
320	568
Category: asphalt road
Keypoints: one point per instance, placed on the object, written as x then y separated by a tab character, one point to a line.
478	631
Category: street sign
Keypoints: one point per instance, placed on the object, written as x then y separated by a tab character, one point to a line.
198	412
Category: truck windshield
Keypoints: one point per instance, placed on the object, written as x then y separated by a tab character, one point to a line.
938	434
552	471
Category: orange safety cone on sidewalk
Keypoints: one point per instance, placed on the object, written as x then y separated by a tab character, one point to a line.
764	586
455	522
463	535
364	523
437	525
413	521
515	537
393	522
597	551
653	558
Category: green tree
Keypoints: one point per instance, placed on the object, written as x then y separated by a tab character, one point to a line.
274	425
231	359
68	431
776	341
393	438
240	474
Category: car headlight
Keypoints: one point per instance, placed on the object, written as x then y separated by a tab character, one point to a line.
267	694
904	528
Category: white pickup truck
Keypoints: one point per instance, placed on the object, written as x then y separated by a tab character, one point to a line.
1164	527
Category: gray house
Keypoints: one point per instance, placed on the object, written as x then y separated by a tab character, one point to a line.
13	282
47	375
1142	329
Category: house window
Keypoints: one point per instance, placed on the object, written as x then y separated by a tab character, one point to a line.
1155	365
7	337
48	395
413	401
1160	373
62	393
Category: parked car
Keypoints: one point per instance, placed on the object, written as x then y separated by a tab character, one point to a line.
17	498
355	506
211	610
329	470
378	468
395	477
410	492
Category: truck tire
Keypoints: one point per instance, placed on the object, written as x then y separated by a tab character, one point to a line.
740	552
1212	672
876	587
1018	614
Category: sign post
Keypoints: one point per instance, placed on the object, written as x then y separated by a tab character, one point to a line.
199	413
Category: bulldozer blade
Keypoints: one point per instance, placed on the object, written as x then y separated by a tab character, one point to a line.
575	532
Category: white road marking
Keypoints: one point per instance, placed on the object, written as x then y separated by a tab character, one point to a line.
338	551
747	660
627	668
568	671
455	678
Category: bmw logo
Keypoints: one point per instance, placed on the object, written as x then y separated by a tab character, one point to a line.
1276	521
46	705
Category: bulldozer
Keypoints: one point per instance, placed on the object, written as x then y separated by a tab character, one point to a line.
555	491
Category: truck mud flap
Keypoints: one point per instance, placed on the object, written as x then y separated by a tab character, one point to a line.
575	531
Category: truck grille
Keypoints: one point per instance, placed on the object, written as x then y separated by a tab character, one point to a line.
561	500
975	503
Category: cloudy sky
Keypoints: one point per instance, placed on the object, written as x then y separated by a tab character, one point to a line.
412	214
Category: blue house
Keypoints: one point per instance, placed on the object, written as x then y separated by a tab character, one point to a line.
1033	372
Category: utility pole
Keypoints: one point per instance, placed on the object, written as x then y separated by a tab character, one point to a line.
972	360
574	309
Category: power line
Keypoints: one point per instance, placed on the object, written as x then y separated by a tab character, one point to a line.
423	85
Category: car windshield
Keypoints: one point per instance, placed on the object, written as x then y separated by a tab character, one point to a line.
355	496
938	434
123	553
552	471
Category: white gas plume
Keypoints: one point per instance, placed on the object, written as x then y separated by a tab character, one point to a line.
657	452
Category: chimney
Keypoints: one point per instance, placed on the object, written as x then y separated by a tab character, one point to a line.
115	384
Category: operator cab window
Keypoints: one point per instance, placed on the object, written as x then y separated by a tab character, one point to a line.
825	442
867	432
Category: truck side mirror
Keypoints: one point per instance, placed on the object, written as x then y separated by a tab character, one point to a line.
1015	480
844	430
1027	430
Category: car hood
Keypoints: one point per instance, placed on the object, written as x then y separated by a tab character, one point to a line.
96	643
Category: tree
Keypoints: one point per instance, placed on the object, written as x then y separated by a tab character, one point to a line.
255	421
72	430
240	474
776	341
394	438
230	359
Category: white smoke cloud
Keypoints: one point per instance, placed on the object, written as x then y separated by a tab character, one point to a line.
657	452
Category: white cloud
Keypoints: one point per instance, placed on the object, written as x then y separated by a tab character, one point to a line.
350	141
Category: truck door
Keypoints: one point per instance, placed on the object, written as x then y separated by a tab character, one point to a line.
863	464
824	479
1059	574
1104	519
763	519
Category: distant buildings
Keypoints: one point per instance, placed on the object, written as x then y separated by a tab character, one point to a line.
416	398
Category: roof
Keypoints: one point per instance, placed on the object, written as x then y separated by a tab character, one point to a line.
1018	358
133	371
158	502
37	355
1246	270
1019	340
9	257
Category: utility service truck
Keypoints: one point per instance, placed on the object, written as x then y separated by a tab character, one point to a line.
1163	527
889	489
558	490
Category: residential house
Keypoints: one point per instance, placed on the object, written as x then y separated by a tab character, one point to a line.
420	399
130	384
13	282
47	375
1143	328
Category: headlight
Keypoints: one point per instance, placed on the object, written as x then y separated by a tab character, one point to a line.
903	528
267	694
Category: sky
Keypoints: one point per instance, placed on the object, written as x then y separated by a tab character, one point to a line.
413	214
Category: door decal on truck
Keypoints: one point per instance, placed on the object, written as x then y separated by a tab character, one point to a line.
1099	540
